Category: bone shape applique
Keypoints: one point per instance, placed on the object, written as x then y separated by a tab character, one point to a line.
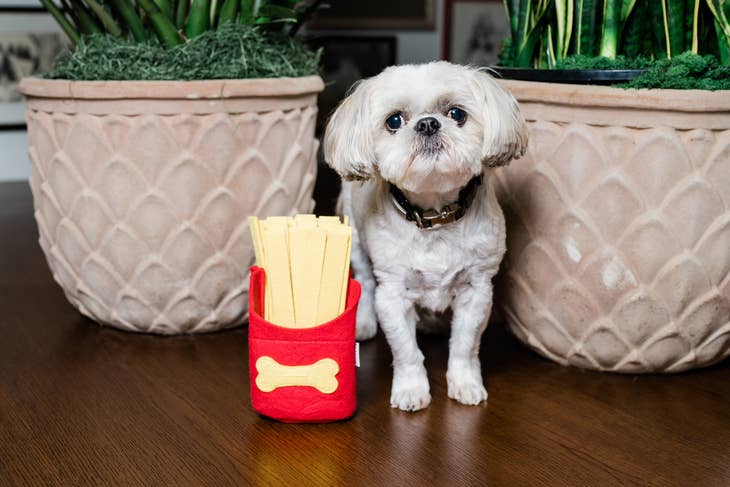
320	375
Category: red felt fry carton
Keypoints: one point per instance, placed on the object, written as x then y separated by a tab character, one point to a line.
302	375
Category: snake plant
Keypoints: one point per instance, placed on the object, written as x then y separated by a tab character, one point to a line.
543	32
173	22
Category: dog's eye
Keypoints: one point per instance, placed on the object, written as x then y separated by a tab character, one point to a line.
457	114
395	121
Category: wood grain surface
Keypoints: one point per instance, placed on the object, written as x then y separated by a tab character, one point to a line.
86	405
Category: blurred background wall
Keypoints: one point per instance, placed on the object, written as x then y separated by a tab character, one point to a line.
29	40
359	39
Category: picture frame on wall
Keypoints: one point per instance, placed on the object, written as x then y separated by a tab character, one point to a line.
20	5
29	42
473	31
377	14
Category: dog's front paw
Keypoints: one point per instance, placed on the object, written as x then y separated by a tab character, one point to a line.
466	388
367	324
410	391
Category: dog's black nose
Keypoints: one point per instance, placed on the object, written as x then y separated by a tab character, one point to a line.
428	126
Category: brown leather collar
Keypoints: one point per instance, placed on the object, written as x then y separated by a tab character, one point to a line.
432	218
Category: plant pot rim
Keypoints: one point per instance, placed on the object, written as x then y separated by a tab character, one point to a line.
606	96
571	76
170	89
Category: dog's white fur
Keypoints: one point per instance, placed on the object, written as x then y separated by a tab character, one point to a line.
431	269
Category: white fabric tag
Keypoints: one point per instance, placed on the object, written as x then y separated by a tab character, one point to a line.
357	354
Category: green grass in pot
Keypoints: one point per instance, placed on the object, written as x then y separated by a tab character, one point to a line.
183	39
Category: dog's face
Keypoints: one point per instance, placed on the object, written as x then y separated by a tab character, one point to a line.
425	128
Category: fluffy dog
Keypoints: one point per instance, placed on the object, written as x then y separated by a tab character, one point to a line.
415	146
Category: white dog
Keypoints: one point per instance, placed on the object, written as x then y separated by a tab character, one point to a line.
417	143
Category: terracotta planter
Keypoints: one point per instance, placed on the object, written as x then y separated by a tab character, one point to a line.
142	189
619	227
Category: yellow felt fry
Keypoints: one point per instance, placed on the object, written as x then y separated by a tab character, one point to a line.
306	219
307	246
280	308
267	287
253	226
331	287
278	220
345	270
329	220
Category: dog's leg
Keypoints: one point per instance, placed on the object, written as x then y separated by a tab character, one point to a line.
471	312
398	317
367	324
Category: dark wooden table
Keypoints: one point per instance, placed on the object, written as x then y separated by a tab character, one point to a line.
86	405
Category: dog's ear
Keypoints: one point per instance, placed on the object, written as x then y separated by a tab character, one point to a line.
348	144
505	131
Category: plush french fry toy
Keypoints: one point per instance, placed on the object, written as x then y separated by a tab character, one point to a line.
302	309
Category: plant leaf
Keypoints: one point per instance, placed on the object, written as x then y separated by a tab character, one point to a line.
530	34
181	13
512	7
246	12
161	23
131	19
228	12
634	40
198	19
86	20
586	31
521	44
58	16
610	28
626	7
564	27
723	47
276	12
721	11
549	50
106	19
673	15
165	7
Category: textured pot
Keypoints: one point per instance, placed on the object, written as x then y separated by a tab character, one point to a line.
619	227
142	189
